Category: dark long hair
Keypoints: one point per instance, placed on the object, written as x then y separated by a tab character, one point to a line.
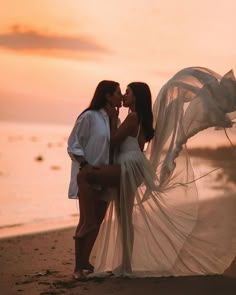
143	105
99	99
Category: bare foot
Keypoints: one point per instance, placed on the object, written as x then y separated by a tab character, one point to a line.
79	275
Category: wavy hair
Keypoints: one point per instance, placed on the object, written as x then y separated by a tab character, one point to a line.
99	99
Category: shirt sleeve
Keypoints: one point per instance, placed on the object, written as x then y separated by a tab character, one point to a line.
79	136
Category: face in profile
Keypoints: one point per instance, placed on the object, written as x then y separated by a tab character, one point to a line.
129	98
115	99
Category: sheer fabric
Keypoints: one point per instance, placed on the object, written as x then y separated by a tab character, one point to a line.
157	225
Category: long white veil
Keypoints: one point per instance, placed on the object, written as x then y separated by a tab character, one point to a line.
159	222
194	99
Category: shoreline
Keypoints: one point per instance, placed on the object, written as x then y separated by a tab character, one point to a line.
22	229
42	263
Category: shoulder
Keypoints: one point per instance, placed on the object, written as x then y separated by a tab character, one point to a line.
87	115
131	120
83	119
132	117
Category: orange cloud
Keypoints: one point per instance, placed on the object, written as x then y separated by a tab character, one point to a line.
28	40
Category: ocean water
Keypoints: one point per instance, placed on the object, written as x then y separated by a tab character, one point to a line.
34	178
35	173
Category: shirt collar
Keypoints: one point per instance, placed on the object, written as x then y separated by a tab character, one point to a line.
103	112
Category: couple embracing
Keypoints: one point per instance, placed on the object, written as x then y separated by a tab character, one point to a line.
139	210
96	145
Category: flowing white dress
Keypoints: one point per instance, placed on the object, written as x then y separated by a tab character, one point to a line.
158	225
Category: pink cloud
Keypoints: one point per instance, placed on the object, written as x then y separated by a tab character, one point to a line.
20	38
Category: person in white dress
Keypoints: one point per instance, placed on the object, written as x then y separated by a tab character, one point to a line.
131	137
158	225
88	145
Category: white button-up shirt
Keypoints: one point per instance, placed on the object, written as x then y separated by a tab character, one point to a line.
89	138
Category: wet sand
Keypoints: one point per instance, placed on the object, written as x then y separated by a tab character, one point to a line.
42	263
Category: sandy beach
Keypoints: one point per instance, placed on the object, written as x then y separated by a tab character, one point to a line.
42	263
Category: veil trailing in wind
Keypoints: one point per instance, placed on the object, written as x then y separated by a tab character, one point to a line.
194	99
158	224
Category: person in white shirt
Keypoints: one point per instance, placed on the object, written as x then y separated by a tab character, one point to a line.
89	146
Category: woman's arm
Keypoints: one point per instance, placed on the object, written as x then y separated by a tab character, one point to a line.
127	128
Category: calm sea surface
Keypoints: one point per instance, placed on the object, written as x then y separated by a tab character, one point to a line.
35	171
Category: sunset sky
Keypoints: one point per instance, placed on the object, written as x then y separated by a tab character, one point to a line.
54	52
